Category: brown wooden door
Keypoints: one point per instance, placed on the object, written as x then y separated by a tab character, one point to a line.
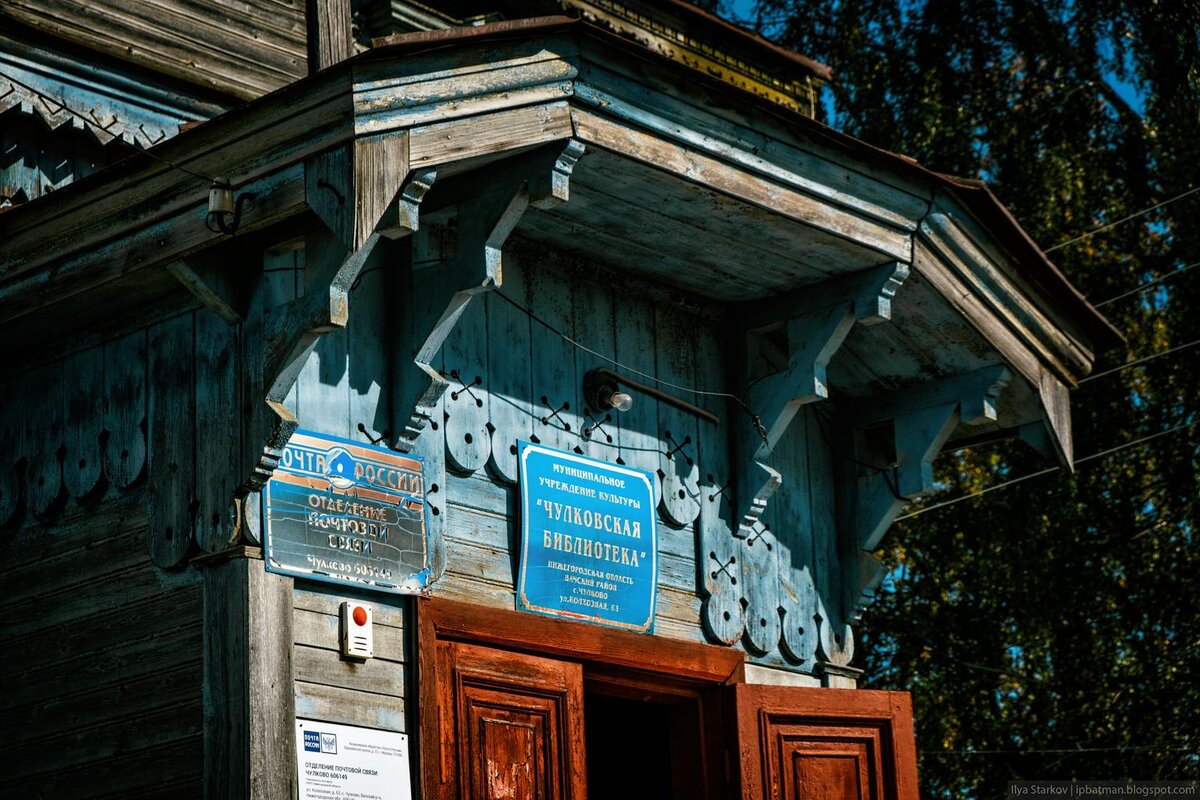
511	725
824	744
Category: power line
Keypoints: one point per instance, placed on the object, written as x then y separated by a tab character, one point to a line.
1039	473
754	418
1122	220
1143	360
1061	751
93	124
1141	287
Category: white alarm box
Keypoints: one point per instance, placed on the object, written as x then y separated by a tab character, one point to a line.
358	640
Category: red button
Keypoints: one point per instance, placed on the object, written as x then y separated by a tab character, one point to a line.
360	615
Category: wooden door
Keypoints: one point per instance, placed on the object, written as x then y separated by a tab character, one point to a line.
824	744
511	725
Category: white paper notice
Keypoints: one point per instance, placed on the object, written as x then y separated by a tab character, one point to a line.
343	762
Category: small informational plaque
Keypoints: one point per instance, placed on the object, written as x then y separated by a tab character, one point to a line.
589	548
346	512
344	762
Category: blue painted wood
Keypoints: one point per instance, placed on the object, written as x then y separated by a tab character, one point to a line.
593	317
323	386
464	364
172	440
793	529
84	413
835	638
760	573
638	436
422	301
717	557
678	430
125	408
509	369
555	390
369	346
43	437
218	455
283	282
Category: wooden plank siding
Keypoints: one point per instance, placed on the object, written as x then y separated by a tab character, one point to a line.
102	660
370	693
517	379
242	50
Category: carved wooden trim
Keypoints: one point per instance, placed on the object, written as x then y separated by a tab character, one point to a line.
816	324
487	214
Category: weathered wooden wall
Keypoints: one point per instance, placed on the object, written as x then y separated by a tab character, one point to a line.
370	693
242	50
515	378
100	660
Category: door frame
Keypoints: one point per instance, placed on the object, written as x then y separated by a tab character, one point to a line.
614	661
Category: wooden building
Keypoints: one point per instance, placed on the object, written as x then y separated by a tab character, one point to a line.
463	236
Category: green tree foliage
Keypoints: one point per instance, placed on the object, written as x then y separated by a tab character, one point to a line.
1050	629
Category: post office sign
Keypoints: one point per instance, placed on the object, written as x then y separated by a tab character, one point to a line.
347	512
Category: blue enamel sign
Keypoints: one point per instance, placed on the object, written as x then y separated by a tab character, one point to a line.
589	546
347	512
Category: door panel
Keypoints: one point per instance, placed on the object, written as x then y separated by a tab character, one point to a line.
824	744
515	725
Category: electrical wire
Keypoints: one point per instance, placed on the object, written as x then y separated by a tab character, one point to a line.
1064	751
1077	462
1138	361
92	123
1141	287
1121	221
754	418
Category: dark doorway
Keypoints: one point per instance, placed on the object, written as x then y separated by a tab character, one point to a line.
628	749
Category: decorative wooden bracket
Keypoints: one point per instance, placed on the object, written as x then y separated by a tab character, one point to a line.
226	295
815	322
487	212
361	194
920	420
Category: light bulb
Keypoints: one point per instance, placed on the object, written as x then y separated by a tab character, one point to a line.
621	401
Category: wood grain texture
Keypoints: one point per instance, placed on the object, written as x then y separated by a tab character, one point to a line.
172	456
555	388
328	33
677	429
517	721
83	419
594	319
43	437
639	435
349	707
125	408
249	711
509	369
217	441
799	742
84	671
12	444
464	363
586	643
244	51
760	590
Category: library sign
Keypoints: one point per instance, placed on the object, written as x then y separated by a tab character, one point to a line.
589	547
346	512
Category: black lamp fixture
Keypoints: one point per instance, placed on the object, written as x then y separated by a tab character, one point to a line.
223	211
